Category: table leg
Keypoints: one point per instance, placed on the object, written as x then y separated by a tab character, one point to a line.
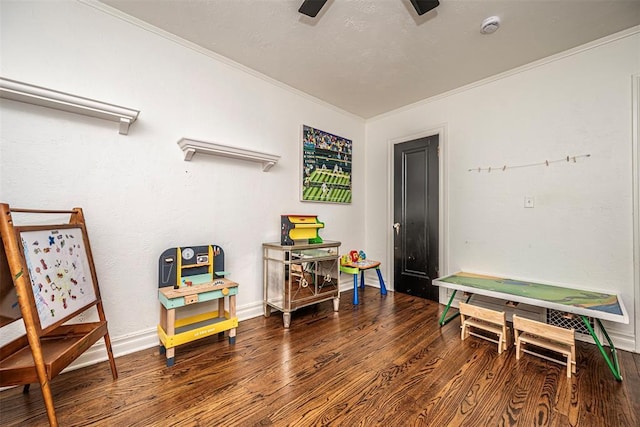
355	289
383	288
221	308
163	324
613	366
444	321
232	314
362	279
286	319
171	331
221	316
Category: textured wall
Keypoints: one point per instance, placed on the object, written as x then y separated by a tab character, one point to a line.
139	195
580	230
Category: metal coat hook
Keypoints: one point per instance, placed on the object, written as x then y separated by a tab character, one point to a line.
545	163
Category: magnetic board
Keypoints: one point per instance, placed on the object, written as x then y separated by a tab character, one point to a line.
59	271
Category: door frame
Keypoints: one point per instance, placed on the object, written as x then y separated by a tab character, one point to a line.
635	185
443	196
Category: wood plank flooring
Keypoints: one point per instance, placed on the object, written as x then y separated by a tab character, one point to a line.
385	362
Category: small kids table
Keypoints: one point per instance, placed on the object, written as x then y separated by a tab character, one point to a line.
585	303
359	267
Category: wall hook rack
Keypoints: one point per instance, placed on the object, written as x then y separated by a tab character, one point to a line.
567	159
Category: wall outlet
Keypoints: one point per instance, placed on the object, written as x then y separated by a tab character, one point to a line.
528	201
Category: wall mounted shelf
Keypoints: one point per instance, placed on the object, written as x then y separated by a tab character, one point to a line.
24	92
192	146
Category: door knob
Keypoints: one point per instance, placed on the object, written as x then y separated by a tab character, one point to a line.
396	227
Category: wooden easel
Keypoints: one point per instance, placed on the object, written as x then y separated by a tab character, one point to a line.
70	288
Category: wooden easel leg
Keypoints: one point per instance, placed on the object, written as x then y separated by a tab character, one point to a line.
112	360
48	403
107	342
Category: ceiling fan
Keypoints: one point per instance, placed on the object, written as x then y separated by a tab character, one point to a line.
312	7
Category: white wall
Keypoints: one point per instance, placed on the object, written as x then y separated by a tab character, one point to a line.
580	230
138	194
140	197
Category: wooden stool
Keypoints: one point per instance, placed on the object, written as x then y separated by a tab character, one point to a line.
554	338
492	321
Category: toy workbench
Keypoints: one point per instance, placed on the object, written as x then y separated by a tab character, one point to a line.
194	275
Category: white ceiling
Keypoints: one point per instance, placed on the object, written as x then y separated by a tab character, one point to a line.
369	57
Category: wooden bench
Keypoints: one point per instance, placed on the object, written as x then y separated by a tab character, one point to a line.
492	321
554	338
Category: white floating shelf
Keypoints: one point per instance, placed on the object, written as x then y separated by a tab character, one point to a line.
24	92
192	146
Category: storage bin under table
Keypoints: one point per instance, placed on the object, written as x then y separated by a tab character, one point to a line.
173	331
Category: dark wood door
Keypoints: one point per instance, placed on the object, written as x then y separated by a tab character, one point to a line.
416	188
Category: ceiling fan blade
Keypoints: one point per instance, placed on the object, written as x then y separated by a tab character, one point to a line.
312	7
424	6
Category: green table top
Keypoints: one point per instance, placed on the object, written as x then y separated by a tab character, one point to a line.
598	304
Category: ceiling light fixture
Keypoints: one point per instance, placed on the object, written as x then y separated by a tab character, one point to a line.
490	25
311	8
424	6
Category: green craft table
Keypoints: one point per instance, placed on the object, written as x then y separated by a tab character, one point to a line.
585	303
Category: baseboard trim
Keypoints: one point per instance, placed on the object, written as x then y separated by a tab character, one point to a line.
148	338
141	340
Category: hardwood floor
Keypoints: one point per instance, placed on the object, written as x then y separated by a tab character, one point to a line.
384	362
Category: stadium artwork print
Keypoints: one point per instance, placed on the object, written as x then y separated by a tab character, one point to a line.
326	167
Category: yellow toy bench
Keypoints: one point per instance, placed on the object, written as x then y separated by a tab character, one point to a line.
492	321
554	338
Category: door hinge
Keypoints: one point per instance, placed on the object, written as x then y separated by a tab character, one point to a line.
438	151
